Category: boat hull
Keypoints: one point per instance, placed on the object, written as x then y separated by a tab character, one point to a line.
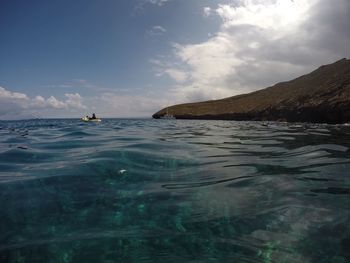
90	120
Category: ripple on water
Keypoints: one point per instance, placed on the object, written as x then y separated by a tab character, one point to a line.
156	191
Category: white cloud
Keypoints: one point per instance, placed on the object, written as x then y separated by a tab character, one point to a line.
111	104
121	103
12	95
38	102
279	15
74	83
259	43
53	102
141	3
162	68
74	101
19	105
207	11
156	31
157	2
177	75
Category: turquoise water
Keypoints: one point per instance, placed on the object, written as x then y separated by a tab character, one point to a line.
173	191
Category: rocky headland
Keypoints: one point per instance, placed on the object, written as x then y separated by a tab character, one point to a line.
322	96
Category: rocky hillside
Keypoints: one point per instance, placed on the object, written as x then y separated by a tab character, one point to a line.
321	96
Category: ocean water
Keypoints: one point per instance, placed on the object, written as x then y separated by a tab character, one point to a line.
174	191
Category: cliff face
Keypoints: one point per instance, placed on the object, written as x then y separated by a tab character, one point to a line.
321	96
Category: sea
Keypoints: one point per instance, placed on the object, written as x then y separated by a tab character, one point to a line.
143	190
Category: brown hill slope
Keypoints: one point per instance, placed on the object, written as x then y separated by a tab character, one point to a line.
321	96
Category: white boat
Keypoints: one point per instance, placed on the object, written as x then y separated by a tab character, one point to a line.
168	116
89	119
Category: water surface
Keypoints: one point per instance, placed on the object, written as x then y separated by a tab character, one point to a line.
173	191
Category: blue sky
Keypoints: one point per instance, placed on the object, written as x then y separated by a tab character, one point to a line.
129	58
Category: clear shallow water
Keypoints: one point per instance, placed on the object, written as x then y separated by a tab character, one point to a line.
173	191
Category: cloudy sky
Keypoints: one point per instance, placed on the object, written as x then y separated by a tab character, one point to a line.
129	58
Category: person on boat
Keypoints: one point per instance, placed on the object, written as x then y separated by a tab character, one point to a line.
93	117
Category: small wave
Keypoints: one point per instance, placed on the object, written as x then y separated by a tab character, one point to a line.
332	190
19	156
77	134
200	184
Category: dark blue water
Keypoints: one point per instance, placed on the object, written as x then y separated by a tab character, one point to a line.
174	191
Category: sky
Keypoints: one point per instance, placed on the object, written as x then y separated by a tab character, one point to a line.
130	58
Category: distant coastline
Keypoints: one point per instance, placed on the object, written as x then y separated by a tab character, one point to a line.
322	96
